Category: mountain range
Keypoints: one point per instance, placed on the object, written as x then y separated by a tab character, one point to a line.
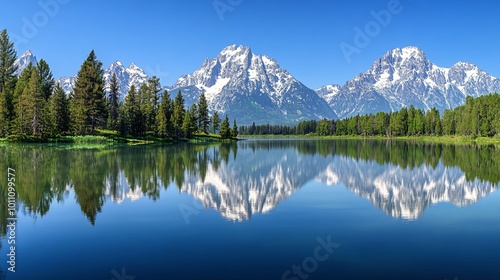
403	77
254	88
132	75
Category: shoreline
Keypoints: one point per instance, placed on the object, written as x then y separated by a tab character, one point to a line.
109	139
425	139
114	139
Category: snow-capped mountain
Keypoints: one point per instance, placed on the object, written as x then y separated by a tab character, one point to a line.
133	75
24	60
67	84
252	88
328	92
403	77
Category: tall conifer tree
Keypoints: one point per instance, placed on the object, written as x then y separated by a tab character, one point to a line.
178	115
113	103
225	130
215	122
163	124
203	117
7	81
88	101
59	111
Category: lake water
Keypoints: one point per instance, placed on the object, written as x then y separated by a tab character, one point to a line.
258	209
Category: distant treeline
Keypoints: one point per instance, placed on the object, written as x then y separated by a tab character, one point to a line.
478	117
33	106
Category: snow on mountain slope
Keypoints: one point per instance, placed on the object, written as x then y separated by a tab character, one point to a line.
133	75
251	88
24	60
403	77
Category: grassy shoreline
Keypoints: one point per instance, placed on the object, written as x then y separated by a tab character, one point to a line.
105	138
113	138
425	139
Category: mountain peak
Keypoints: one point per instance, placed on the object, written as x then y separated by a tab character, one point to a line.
404	77
407	53
27	53
133	75
133	66
252	88
117	64
234	51
22	62
235	48
465	65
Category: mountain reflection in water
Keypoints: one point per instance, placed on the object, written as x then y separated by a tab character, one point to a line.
253	177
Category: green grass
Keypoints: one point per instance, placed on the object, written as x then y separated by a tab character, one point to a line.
430	139
110	137
202	137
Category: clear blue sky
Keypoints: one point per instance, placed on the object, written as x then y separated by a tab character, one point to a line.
175	37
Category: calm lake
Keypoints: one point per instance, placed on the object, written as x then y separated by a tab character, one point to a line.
256	209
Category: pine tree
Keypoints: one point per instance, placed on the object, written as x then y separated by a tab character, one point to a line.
189	124
225	130
150	103
21	85
403	122
449	122
131	109
215	122
322	128
203	117
39	122
163	124
411	120
143	110
234	131
439	128
122	119
88	101
113	103
419	121
25	108
32	109
46	79
194	114
177	118
59	111
7	81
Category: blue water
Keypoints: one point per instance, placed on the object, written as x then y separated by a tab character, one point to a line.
263	215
